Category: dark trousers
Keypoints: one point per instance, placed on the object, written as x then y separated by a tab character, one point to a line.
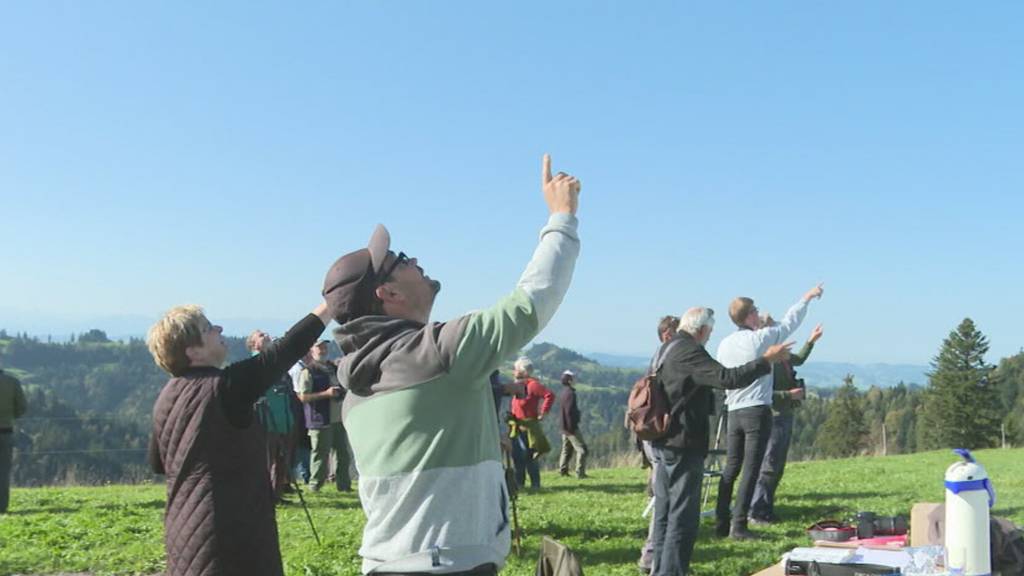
677	479
748	432
524	461
772	467
6	456
300	462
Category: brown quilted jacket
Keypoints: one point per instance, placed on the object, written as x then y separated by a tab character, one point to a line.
219	519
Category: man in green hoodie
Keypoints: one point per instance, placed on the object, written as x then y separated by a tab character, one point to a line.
12	405
420	410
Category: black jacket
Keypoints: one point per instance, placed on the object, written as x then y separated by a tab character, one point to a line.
220	519
570	411
688	374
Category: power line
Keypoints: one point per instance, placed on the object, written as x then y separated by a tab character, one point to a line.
96	451
65	418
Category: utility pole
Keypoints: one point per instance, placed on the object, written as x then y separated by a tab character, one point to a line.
885	441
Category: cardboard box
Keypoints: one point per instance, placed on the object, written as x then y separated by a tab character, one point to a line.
920	532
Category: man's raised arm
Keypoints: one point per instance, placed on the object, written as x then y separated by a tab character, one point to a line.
547	276
480	340
794	316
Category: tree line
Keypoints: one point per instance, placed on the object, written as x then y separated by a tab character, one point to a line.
90	401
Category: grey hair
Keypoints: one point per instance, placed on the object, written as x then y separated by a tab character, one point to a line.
696	318
523	363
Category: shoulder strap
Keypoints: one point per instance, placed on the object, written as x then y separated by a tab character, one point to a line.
659	358
656	364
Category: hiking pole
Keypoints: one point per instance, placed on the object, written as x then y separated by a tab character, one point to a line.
298	491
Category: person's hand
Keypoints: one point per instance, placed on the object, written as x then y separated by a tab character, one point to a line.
814	292
514	388
796	394
540	417
506	443
335	391
561	192
815	334
778	352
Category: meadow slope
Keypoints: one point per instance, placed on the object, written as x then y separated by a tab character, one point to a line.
118	529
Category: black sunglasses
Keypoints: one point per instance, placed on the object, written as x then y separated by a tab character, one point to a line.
399	260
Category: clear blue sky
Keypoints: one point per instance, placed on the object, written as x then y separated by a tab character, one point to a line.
225	153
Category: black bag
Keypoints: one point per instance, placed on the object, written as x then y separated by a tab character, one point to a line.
556	559
1007	547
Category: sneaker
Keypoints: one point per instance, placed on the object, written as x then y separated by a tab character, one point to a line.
564	473
758	521
582	476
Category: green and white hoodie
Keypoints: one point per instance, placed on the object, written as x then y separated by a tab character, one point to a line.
420	419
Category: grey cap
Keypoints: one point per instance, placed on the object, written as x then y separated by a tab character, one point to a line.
352	279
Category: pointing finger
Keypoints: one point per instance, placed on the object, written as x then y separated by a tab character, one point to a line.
545	173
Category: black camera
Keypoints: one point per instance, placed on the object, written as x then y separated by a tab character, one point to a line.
870	525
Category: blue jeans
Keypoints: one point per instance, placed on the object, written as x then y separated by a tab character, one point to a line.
647	550
772	467
300	469
677	479
524	462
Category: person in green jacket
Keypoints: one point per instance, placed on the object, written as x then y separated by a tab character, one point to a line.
12	405
420	408
788	391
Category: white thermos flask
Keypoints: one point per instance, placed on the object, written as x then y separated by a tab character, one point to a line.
969	495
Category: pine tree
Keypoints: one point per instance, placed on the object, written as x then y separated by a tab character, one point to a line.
844	432
962	408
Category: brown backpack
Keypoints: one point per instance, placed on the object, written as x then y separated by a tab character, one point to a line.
648	413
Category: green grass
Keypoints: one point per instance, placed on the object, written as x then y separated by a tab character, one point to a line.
118	529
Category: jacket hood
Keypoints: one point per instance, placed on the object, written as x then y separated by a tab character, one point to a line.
367	343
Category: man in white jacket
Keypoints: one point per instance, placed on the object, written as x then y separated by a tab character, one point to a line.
750	409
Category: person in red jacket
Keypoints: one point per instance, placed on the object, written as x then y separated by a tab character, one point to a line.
528	440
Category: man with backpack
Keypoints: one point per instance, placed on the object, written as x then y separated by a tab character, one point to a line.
274	409
687	374
667	327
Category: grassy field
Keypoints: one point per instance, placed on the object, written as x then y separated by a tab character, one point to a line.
118	529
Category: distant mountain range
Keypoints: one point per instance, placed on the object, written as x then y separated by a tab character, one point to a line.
816	374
